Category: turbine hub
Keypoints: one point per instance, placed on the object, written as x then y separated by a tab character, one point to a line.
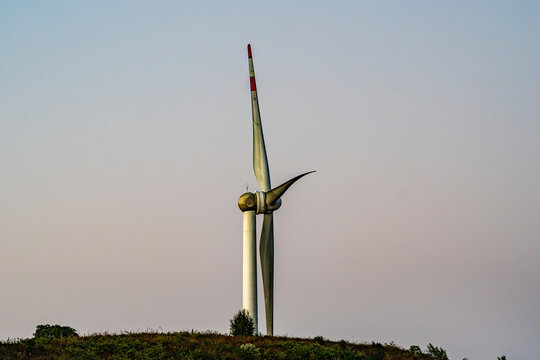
273	207
247	202
261	202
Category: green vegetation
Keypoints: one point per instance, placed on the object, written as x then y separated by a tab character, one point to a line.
436	352
415	349
242	324
54	332
194	345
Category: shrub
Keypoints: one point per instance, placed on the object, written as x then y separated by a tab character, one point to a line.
415	349
242	324
319	340
298	350
379	352
249	351
501	357
54	332
436	352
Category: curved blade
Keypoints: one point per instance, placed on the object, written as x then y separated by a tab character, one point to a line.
267	269
260	161
276	193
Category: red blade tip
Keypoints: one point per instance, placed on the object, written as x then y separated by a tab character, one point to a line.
249	51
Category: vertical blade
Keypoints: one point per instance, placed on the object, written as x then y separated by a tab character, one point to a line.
267	267
260	161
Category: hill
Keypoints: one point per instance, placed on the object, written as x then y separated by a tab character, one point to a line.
195	345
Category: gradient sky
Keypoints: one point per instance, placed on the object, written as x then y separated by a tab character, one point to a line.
125	130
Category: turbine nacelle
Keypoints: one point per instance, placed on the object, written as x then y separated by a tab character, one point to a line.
247	202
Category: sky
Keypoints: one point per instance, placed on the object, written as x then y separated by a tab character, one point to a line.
126	142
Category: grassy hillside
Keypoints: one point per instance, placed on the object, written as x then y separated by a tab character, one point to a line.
194	345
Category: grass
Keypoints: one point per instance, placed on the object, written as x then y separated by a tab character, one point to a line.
196	345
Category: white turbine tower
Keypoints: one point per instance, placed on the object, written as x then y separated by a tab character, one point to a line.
264	202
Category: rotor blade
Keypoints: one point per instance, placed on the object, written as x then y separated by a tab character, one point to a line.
260	161
277	192
267	269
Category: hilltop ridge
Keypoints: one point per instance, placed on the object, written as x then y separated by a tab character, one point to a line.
197	345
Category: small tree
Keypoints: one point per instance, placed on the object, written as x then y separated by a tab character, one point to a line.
54	332
501	357
242	324
436	352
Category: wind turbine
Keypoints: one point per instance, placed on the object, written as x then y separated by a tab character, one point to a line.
264	202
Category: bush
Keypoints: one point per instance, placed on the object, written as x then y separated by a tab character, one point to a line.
379	352
249	351
242	324
415	349
54	332
436	352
